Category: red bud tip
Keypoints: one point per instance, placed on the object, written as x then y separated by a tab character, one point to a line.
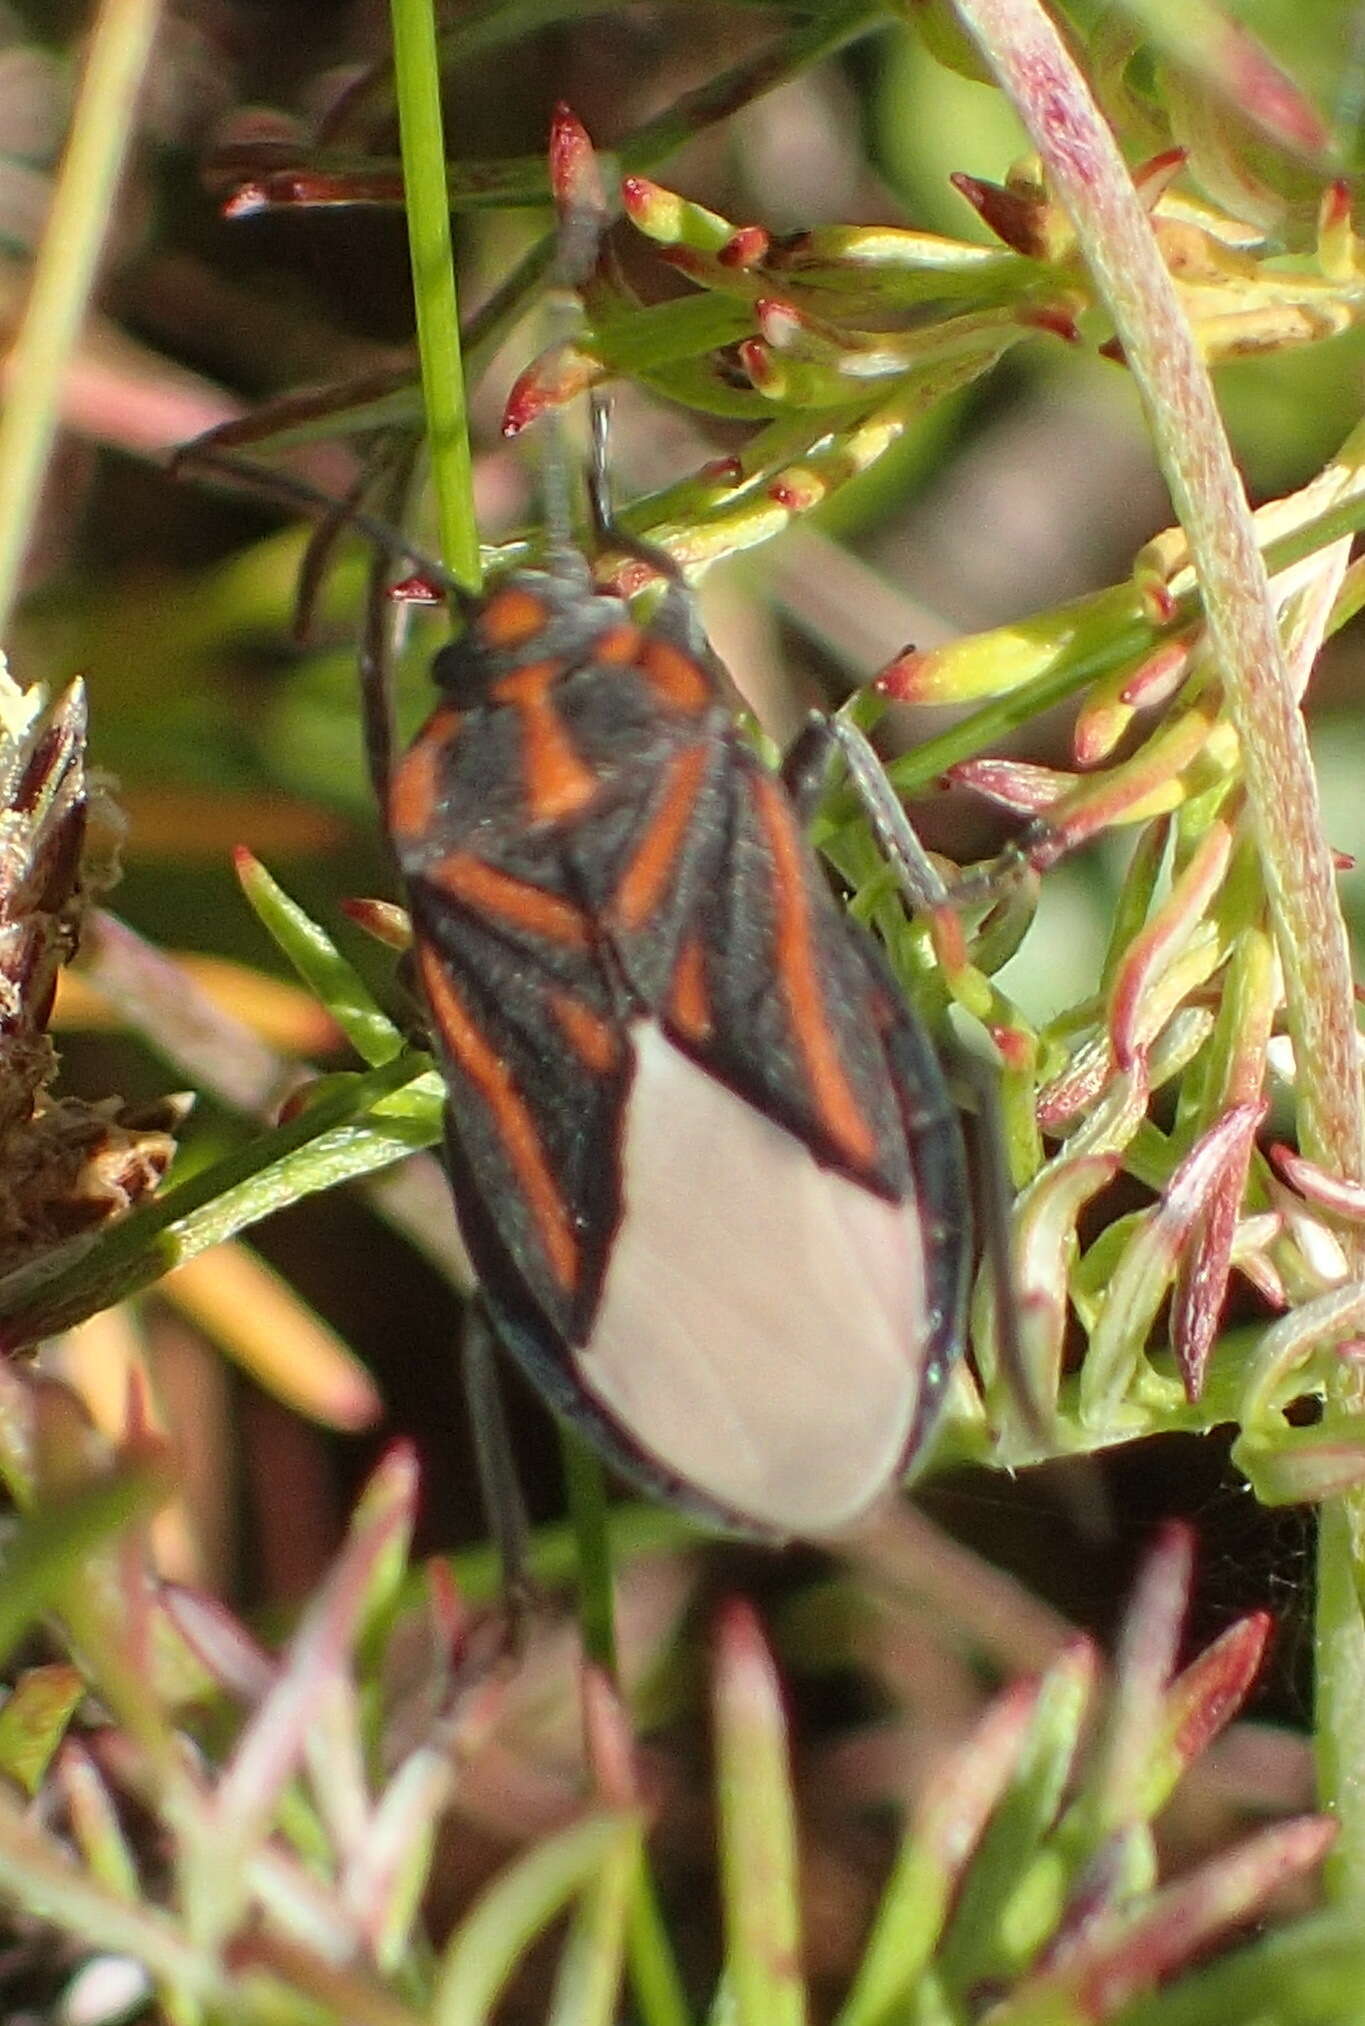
757	363
1021	785
746	248
244	861
1058	321
742	1649
797	492
778	321
416	590
1335	210
1014	1049
1344	861
1018	221
526	401
899	680
1158	601
574	181
637	194
722	471
1156	176
381	919
1157	677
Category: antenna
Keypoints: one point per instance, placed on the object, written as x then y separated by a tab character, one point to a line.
287	488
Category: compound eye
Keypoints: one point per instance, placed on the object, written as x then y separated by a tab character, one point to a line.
461	672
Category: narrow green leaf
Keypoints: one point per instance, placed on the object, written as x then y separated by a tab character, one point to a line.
417	79
38	1875
320	964
976	1946
95	1824
44	1554
589	1976
485	1949
757	1828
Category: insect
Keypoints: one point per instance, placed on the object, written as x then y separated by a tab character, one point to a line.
703	1157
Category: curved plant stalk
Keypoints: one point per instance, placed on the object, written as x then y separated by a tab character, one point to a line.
418	80
64	272
1087	173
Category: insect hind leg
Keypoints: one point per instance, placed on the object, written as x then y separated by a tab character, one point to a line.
933	1128
499	1488
938	1159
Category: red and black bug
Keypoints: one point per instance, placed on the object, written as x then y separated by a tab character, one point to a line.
703	1156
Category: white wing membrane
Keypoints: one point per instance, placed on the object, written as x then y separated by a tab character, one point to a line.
758	1332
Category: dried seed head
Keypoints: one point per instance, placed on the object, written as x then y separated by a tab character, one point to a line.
65	1165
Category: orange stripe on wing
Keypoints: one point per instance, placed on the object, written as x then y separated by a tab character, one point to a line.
416	782
593	1040
840	1112
470	1049
557	782
646	877
689	1004
480	885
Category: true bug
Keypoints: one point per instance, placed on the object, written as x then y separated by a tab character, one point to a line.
703	1156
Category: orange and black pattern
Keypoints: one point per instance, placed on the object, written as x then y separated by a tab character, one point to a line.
587	842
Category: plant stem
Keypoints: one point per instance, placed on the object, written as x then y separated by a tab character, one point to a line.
587	1496
653	1969
418	79
64	271
1087	173
654	1974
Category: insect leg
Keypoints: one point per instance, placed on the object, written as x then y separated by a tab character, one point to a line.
498	1486
933	1133
936	1149
804	774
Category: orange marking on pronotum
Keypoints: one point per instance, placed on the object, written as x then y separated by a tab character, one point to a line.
839	1109
512	617
557	782
480	885
416	781
647	875
593	1040
621	645
489	1074
689	1004
675	678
